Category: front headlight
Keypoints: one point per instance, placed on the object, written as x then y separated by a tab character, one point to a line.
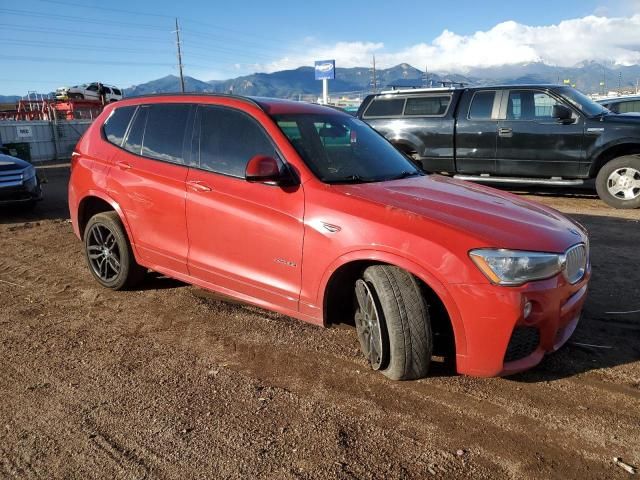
28	173
514	267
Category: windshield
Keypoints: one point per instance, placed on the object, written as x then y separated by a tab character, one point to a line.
343	149
582	102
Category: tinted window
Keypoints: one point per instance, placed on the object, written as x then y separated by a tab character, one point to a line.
165	132
106	90
136	132
530	105
342	149
628	107
116	91
427	105
116	125
93	87
482	105
383	107
229	139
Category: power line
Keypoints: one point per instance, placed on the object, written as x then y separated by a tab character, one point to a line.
79	61
67	33
159	15
71	18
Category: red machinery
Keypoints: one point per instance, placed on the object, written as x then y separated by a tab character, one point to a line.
45	109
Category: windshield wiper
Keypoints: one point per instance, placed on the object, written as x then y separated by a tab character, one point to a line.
405	174
352	179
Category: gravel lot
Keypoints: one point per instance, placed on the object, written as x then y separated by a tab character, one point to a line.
170	382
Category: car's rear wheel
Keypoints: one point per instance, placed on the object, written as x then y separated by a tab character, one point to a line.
109	254
618	182
392	322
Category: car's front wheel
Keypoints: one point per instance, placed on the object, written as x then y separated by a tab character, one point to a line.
109	254
618	182
392	321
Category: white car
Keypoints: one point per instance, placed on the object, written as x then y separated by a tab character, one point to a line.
89	91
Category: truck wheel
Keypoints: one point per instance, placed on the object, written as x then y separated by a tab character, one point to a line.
109	254
618	182
392	322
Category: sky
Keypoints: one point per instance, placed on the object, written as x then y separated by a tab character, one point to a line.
52	43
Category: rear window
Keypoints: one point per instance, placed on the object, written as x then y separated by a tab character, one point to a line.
116	91
629	107
426	106
482	105
116	125
385	107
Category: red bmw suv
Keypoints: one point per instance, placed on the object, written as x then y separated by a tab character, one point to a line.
307	211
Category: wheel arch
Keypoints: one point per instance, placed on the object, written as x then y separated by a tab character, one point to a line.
627	147
94	202
337	294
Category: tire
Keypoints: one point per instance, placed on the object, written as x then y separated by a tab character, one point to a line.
618	182
403	337
108	253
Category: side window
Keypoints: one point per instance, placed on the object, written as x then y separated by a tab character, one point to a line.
384	107
116	91
164	134
427	106
229	139
116	125
482	105
530	105
136	132
106	90
628	107
92	87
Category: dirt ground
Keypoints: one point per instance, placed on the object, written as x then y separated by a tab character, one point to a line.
169	382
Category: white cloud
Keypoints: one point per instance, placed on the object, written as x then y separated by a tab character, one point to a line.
599	38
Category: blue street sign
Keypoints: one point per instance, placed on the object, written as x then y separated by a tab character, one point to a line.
326	69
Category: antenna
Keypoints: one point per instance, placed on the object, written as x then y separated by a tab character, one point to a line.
179	56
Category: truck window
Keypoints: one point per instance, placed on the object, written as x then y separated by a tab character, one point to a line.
385	107
530	105
628	107
482	105
427	106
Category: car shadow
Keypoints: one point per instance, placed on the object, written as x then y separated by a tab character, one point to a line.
608	334
158	281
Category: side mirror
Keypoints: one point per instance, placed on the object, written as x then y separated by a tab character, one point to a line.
263	168
562	113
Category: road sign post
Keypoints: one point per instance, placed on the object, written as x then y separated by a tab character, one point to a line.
325	70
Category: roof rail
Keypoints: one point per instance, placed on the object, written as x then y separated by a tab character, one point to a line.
248	100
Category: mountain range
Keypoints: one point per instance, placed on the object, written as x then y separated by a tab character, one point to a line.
587	77
300	82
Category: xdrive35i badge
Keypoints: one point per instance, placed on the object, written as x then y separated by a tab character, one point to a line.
285	262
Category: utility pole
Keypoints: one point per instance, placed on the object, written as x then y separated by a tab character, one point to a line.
620	83
425	78
179	56
374	81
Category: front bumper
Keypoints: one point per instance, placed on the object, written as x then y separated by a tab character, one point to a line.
16	190
499	340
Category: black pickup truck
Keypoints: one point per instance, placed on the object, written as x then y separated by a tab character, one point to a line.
528	134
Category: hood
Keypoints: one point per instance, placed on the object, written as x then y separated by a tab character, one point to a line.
490	217
7	162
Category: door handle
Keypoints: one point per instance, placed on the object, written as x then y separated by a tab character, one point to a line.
123	165
505	132
198	186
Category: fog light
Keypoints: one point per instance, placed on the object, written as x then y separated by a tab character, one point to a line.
527	309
